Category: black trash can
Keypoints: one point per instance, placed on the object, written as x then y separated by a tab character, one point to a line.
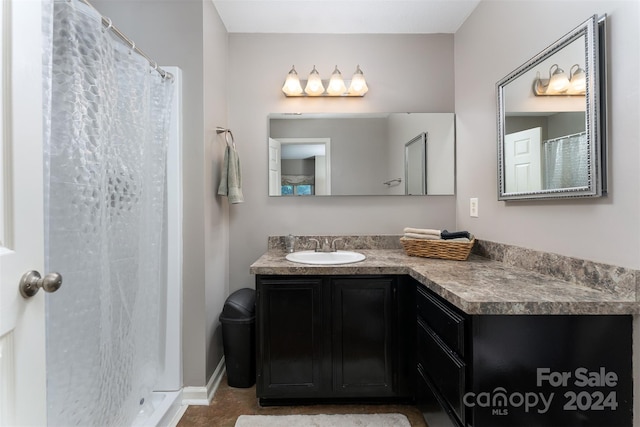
238	320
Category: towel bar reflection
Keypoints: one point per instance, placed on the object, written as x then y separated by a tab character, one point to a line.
393	181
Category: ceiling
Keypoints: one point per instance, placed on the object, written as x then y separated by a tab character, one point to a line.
344	16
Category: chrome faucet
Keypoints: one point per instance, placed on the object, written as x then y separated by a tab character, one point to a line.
325	246
317	242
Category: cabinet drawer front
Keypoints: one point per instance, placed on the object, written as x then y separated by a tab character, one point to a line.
436	411
443	368
448	324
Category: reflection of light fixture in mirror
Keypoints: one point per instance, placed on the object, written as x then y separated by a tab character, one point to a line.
336	84
358	84
315	86
558	80
578	79
292	85
559	84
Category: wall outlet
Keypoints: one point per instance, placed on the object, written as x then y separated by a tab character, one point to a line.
473	207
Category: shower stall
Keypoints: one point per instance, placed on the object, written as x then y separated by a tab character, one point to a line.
112	223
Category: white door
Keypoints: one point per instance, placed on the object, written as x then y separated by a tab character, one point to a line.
275	168
522	170
322	179
22	332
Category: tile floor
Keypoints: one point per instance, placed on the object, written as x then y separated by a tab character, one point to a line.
229	403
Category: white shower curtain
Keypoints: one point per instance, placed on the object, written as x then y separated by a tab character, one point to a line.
566	162
106	117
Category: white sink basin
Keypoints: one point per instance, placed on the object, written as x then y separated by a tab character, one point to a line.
325	258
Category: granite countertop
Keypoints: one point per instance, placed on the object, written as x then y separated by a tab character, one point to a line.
476	286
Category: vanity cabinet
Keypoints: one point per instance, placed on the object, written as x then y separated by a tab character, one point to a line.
524	370
291	346
334	338
440	353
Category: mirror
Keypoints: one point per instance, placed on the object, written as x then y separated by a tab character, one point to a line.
551	120
357	154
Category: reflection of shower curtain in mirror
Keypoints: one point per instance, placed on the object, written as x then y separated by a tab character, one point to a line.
106	123
565	162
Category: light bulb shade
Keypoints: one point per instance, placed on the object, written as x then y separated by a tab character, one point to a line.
336	84
358	86
578	79
558	80
292	85
314	85
559	84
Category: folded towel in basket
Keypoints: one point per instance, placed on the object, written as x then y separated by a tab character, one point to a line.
448	235
459	239
426	231
422	236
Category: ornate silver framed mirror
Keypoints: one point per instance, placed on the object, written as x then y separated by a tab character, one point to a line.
552	120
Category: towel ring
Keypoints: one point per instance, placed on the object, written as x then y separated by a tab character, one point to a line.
227	133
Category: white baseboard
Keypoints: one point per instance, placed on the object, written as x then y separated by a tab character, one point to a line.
204	395
177	416
214	381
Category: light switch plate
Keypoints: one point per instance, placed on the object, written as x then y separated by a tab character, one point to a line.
473	207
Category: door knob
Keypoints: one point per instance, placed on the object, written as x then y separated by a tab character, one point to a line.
31	283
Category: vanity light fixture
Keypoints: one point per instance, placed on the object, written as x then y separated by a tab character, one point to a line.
335	87
336	84
292	86
559	84
314	85
358	86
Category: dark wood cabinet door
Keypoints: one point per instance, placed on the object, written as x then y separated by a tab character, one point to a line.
291	351
581	365
363	322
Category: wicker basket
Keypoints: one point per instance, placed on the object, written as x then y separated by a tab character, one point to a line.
442	249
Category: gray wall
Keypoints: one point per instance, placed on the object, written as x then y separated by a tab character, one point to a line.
497	38
216	209
190	35
397	68
487	49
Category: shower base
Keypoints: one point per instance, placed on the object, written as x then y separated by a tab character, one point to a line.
160	411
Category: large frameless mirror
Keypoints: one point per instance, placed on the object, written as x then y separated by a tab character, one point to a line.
551	120
360	154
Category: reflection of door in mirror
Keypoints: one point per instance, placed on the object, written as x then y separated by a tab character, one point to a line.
522	161
561	159
415	164
302	167
275	170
